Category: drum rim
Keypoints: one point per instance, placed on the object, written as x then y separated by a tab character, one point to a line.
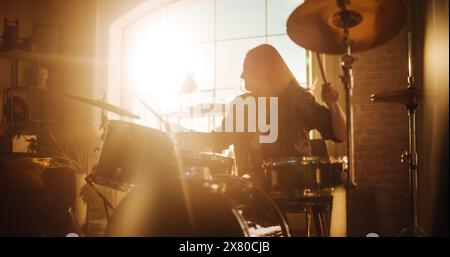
208	156
106	182
135	125
287	161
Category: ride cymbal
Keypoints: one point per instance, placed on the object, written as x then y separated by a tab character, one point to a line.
105	106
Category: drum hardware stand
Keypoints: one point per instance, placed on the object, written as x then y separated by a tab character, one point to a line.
348	20
318	213
314	207
75	223
411	154
411	157
106	203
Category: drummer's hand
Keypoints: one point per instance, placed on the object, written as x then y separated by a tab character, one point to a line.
329	95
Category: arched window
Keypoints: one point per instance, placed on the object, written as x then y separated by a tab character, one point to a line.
177	54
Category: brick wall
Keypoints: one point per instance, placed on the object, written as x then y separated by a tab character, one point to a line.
380	201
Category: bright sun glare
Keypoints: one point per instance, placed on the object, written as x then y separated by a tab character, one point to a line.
159	61
159	64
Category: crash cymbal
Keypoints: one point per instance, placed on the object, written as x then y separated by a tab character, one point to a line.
406	96
316	24
106	106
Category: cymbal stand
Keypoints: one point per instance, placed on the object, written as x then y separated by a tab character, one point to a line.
347	61
411	154
412	157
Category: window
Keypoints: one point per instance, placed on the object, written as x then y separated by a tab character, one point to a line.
189	52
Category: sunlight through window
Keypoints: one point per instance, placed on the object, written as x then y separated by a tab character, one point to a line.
191	52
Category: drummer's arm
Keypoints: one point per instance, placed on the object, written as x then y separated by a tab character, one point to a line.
331	121
338	120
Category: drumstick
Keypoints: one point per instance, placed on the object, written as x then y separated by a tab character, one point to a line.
322	71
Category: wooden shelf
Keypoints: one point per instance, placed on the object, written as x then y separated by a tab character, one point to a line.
28	56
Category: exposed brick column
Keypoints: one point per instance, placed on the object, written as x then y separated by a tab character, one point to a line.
381	134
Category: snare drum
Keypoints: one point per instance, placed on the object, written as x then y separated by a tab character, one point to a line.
203	165
130	151
302	176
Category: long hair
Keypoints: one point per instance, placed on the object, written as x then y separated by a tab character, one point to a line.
266	62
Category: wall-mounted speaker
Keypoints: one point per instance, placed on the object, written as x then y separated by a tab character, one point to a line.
29	104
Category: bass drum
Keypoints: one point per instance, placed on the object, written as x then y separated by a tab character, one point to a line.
223	206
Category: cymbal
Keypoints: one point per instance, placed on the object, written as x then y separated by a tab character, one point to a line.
406	96
316	24
106	106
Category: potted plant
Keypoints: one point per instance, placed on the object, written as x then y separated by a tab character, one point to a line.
75	148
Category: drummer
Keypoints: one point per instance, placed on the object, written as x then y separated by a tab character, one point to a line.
266	75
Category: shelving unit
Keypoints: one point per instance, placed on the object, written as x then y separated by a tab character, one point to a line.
27	100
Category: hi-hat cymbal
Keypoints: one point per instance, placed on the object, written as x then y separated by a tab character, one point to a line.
406	96
316	24
106	106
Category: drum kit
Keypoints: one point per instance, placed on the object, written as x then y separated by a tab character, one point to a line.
179	193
